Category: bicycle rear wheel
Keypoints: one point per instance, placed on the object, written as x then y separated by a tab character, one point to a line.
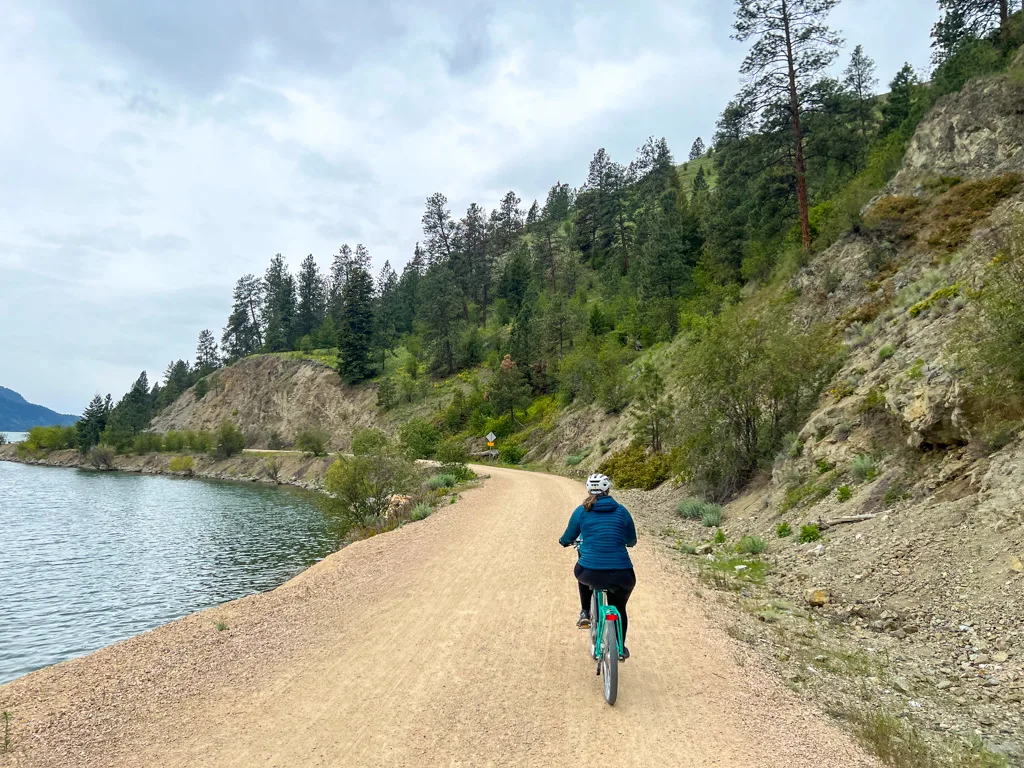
610	661
593	624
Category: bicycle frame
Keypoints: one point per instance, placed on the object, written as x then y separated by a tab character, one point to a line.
605	613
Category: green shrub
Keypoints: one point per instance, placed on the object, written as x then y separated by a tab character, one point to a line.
844	493
939	297
823	466
174	441
421	511
228	440
864	468
368	441
576	459
686	549
442	481
693	509
419	438
182	464
747	380
988	343
313	441
792	445
47	439
809	533
712	516
751	545
452	451
635	468
719	537
886	352
200	441
201	388
147	442
895	494
782	530
102	456
511	453
360	487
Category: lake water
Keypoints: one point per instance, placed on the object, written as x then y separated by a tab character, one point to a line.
15	437
89	558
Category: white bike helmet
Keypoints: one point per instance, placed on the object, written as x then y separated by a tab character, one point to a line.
598	483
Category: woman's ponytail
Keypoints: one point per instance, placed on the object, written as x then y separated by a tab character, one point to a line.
588	503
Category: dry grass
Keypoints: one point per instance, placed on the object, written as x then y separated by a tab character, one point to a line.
947	225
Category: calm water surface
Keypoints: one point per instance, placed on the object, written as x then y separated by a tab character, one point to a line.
89	558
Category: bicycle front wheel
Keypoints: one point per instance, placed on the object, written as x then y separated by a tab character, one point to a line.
610	661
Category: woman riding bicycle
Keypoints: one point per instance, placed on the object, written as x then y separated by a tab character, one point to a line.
606	528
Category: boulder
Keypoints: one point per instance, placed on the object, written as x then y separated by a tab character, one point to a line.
818	597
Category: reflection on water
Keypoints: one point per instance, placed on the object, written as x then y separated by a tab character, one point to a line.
88	558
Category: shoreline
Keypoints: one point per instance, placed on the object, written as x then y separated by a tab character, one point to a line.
297	470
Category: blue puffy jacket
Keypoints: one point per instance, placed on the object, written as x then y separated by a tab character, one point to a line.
607	529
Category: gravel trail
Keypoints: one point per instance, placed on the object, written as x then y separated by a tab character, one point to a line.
450	642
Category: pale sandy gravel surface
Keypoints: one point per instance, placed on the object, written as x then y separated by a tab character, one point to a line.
449	642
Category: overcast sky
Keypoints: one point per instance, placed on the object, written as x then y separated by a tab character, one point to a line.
154	151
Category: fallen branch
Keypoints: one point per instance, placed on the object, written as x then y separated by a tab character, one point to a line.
842	520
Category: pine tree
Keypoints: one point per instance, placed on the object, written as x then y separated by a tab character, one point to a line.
900	103
312	295
533	214
792	46
207	359
279	306
558	203
357	330
243	334
92	423
339	276
508	390
653	410
697	150
700	181
964	20
440	310
130	416
859	79
440	231
386	315
478	257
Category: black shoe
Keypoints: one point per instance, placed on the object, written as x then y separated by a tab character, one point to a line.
584	620
625	653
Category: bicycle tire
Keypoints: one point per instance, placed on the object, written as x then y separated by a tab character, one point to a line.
610	661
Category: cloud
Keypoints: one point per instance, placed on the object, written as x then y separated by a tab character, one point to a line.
156	151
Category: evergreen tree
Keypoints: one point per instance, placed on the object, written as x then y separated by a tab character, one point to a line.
386	315
697	150
478	257
440	310
92	423
130	416
700	181
900	103
177	378
859	79
533	214
440	231
357	329
653	410
792	46
279	306
339	276
207	359
558	203
508	390
312	294
964	20
243	334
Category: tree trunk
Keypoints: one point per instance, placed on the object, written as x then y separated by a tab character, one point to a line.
1004	12
483	308
798	139
622	239
551	255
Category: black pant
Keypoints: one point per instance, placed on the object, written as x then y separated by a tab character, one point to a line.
619	585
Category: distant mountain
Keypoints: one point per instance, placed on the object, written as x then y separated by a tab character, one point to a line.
19	415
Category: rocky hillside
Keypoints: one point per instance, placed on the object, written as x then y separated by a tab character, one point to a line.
917	495
271	398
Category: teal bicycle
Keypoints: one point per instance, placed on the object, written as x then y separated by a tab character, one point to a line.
606	646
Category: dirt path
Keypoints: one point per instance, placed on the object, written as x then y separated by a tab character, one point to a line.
449	642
